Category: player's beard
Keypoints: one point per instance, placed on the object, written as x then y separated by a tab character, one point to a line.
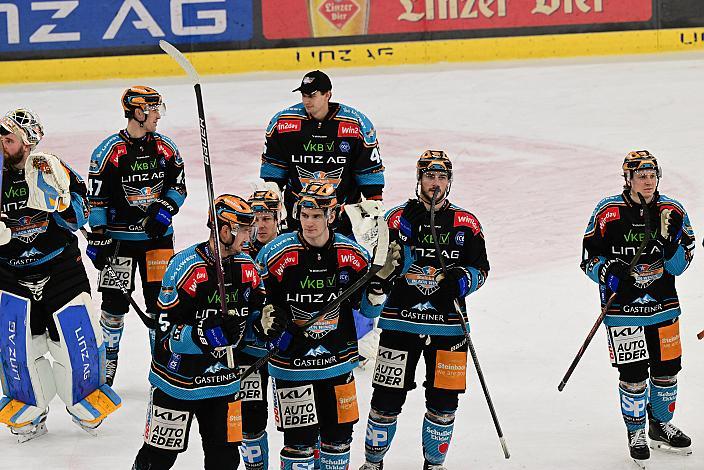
428	196
13	159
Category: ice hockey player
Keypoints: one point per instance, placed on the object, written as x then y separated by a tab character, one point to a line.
136	184
419	317
266	206
642	323
318	141
315	396
45	303
190	374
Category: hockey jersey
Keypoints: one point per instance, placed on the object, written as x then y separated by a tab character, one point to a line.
341	149
303	280
182	366
126	175
615	231
411	306
39	236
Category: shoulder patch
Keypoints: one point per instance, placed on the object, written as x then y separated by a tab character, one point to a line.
347	257
465	219
610	214
287	260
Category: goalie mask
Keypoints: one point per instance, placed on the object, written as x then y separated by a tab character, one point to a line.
25	124
317	196
639	160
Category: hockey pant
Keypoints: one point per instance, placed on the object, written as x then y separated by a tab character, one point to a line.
648	359
77	375
322	410
168	426
394	376
151	257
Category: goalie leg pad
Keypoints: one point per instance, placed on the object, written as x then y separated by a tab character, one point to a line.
25	374
79	362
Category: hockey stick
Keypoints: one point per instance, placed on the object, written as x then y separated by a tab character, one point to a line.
463	322
380	251
181	59
148	321
599	320
700	335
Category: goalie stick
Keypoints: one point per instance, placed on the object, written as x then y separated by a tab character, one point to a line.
378	261
181	59
463	322
599	320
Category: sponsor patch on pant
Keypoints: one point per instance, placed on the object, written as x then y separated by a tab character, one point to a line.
451	370
251	388
296	407
167	429
234	421
670	346
157	260
390	368
627	344
123	268
346	398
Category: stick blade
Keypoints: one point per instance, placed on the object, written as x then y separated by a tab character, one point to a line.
181	60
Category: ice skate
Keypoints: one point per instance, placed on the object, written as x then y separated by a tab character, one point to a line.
669	438
36	428
429	466
638	446
110	370
372	466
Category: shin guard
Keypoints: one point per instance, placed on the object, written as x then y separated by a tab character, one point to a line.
297	458
662	401
437	434
112	324
255	452
381	429
633	404
334	456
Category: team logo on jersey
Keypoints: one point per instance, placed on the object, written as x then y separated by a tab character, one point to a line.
143	197
333	177
320	328
646	274
423	278
345	147
288	125
29	227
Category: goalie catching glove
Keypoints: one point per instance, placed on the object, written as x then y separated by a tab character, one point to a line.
48	183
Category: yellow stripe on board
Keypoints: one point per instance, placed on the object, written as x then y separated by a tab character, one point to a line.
364	55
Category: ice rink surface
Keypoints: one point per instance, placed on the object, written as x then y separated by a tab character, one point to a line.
535	146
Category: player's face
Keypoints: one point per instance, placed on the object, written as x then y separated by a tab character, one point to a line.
241	234
266	226
152	121
313	223
644	182
316	103
13	148
431	180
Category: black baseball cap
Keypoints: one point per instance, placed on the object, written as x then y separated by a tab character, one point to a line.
315	81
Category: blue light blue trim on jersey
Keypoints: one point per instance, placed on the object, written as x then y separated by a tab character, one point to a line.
369	310
200	393
41	260
274	247
185	345
98	217
177	197
312	374
97	159
678	263
270	171
255	351
593	273
370	179
641	320
366	127
295	111
420	328
178	264
591	226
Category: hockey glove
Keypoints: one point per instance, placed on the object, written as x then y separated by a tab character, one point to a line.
615	275
271	323
5	234
100	249
413	214
216	331
159	215
453	284
380	284
670	231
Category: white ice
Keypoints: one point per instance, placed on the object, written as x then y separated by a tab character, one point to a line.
536	145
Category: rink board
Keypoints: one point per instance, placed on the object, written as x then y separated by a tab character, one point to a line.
358	55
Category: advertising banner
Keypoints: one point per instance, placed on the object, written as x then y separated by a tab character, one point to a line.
296	19
41	25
